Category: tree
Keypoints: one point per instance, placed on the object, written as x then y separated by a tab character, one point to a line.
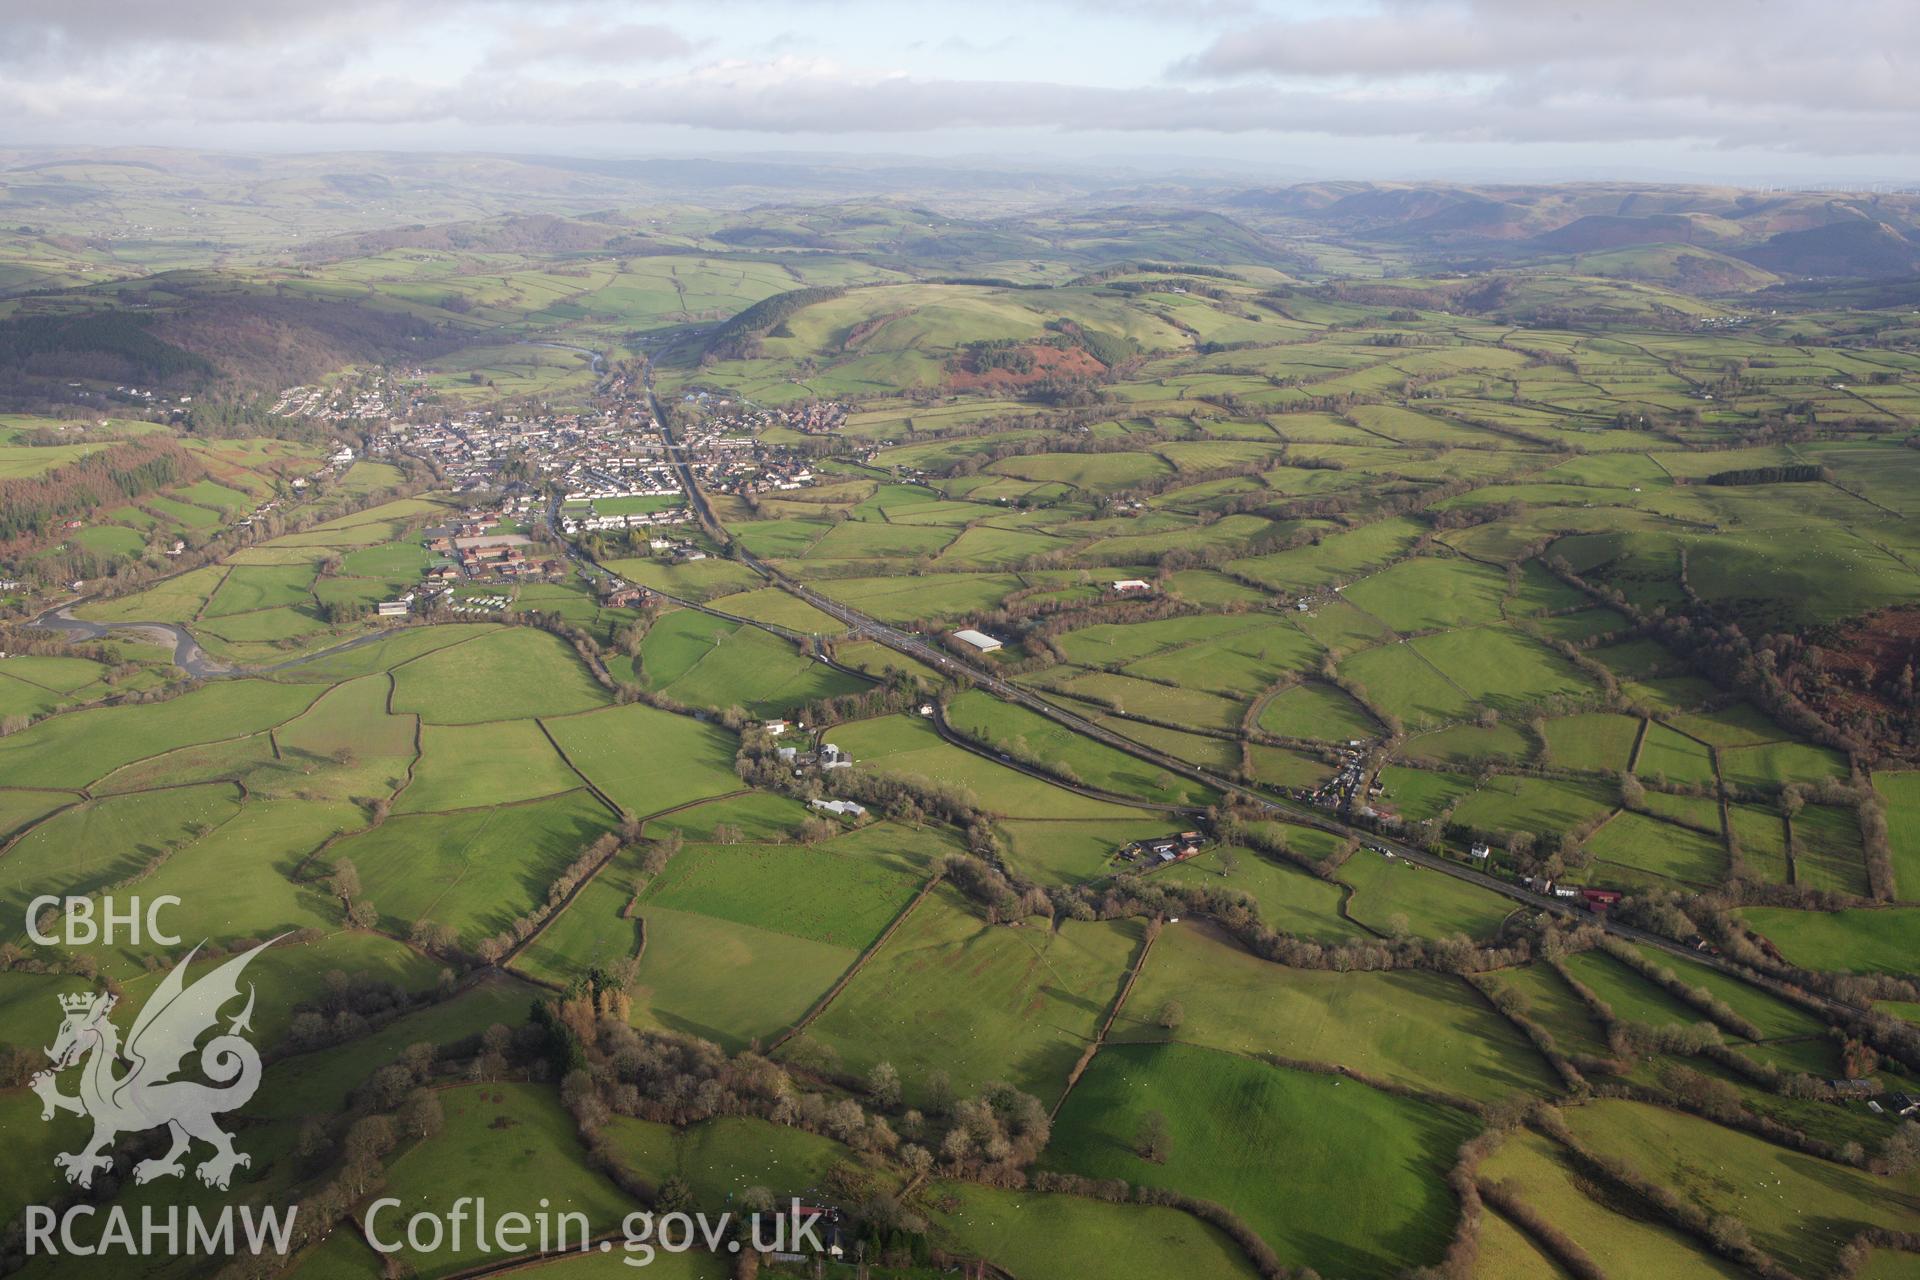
1228	862
421	1115
1155	1139
939	1093
1171	1015
883	1083
363	915
344	883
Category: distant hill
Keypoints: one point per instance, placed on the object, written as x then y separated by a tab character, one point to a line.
1684	267
1856	249
533	233
1612	231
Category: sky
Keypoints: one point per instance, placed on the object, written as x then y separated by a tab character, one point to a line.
1793	92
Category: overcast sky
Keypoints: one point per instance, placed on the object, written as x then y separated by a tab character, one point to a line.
1794	91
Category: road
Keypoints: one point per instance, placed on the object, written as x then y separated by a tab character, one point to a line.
913	646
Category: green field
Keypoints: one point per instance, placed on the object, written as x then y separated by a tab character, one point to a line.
1373	1158
475	870
1416	1029
1857	941
466	766
1800	1209
508	674
1033	996
646	760
1028	736
1398	898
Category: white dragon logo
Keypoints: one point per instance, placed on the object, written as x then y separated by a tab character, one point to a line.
147	1096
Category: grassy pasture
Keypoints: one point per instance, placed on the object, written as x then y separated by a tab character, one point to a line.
76	748
697	580
466	766
1316	712
908	746
1901	791
1014	729
1774	1016
982	1003
1596	742
1235	666
511	1143
1629	1246
645	759
1465	744
1762	834
1862	940
1033	1234
1126	695
91	846
1426	594
727	982
1631	996
812	892
1662	849
678	641
507	674
1396	898
1550	1002
1421	1030
1399	681
1279	766
1801	1209
759	672
1501	668
1070	852
246	588
1827	849
1374	1158
1289	899
1544	806
1774	765
1419	794
909	598
1117	643
594	931
476	870
379	655
1667	754
760	817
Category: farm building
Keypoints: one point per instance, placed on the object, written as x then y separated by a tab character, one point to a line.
1132	586
844	808
978	639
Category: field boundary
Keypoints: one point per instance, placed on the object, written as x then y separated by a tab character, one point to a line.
1113	1013
853	971
618	811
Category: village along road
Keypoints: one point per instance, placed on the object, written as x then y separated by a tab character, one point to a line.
914	646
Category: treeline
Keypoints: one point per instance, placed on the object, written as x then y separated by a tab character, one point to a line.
739	336
31	508
1799	473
